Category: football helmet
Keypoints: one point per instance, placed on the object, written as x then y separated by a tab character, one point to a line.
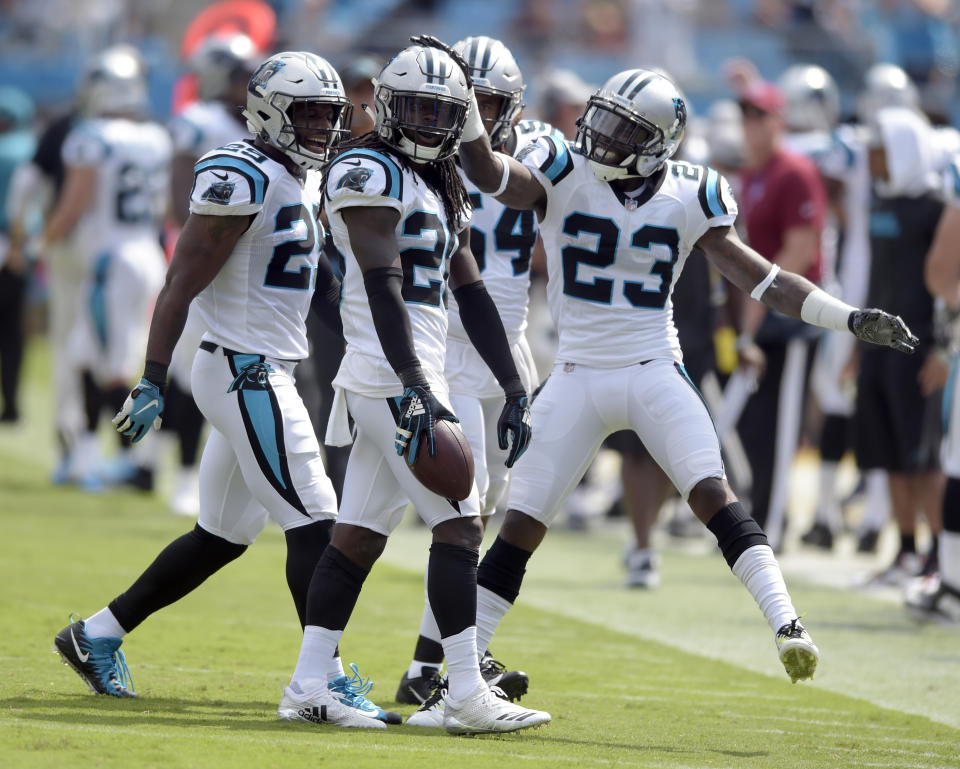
114	83
811	96
885	85
495	73
421	100
279	85
219	59
631	125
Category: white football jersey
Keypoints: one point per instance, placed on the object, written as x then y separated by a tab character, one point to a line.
367	177
258	302
204	126
133	176
502	241
612	261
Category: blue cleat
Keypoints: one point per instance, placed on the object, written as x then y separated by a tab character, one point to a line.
98	661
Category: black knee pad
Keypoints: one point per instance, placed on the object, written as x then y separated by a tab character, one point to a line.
502	568
735	531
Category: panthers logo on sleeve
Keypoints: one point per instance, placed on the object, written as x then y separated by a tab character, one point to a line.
355	179
219	192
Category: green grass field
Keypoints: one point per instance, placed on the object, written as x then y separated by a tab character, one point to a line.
679	678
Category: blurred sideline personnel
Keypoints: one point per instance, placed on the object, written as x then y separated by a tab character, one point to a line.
897	418
938	597
396	206
784	205
222	65
501	241
611	294
113	203
17	145
249	253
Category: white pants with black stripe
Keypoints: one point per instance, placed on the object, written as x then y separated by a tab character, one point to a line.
580	406
262	459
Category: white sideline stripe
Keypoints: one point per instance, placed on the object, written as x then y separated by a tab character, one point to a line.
854	725
348	740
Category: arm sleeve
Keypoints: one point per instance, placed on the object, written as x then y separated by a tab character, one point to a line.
227	185
483	325
392	323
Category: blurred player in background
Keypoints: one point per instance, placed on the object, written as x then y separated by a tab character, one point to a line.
501	241
249	253
112	205
222	65
397	207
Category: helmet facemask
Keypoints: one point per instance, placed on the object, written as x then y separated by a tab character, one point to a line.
423	126
510	104
618	142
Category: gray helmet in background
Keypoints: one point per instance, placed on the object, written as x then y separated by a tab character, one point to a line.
495	72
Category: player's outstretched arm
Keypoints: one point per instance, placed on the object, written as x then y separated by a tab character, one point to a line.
202	249
796	296
483	325
373	240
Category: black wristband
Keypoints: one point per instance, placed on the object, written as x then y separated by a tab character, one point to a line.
156	373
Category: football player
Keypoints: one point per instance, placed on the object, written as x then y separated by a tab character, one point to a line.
222	65
502	241
249	254
397	209
112	205
618	220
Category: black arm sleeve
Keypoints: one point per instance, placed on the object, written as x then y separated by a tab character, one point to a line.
326	297
390	318
485	329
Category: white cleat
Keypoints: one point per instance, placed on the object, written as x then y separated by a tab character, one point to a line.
798	653
430	714
186	497
321	707
486	713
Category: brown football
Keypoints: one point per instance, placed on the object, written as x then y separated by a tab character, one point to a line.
450	472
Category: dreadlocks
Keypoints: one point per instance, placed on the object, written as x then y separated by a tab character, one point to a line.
440	175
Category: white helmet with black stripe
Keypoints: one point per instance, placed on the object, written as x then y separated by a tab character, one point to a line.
885	85
220	60
811	96
632	124
114	83
421	100
495	72
275	92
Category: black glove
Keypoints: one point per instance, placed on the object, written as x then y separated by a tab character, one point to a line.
429	41
515	419
879	327
419	412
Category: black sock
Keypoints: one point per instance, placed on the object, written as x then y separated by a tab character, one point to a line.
181	567
429	651
334	590
735	531
92	401
452	587
908	543
305	545
502	568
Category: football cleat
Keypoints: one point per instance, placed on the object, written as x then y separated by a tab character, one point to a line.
905	567
819	535
351	692
931	600
642	569
98	661
487	713
323	707
417	690
430	713
513	683
797	651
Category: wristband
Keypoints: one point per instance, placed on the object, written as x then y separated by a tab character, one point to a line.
473	124
821	309
156	373
764	284
505	174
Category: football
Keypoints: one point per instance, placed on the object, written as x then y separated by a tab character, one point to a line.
450	472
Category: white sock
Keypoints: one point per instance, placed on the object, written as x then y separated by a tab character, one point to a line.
103	625
316	651
950	558
335	669
877	507
759	571
491	608
462	667
828	509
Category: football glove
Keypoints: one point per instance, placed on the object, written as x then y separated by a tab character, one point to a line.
515	420
879	327
141	410
419	412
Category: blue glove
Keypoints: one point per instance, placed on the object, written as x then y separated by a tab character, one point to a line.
419	412
515	420
141	410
